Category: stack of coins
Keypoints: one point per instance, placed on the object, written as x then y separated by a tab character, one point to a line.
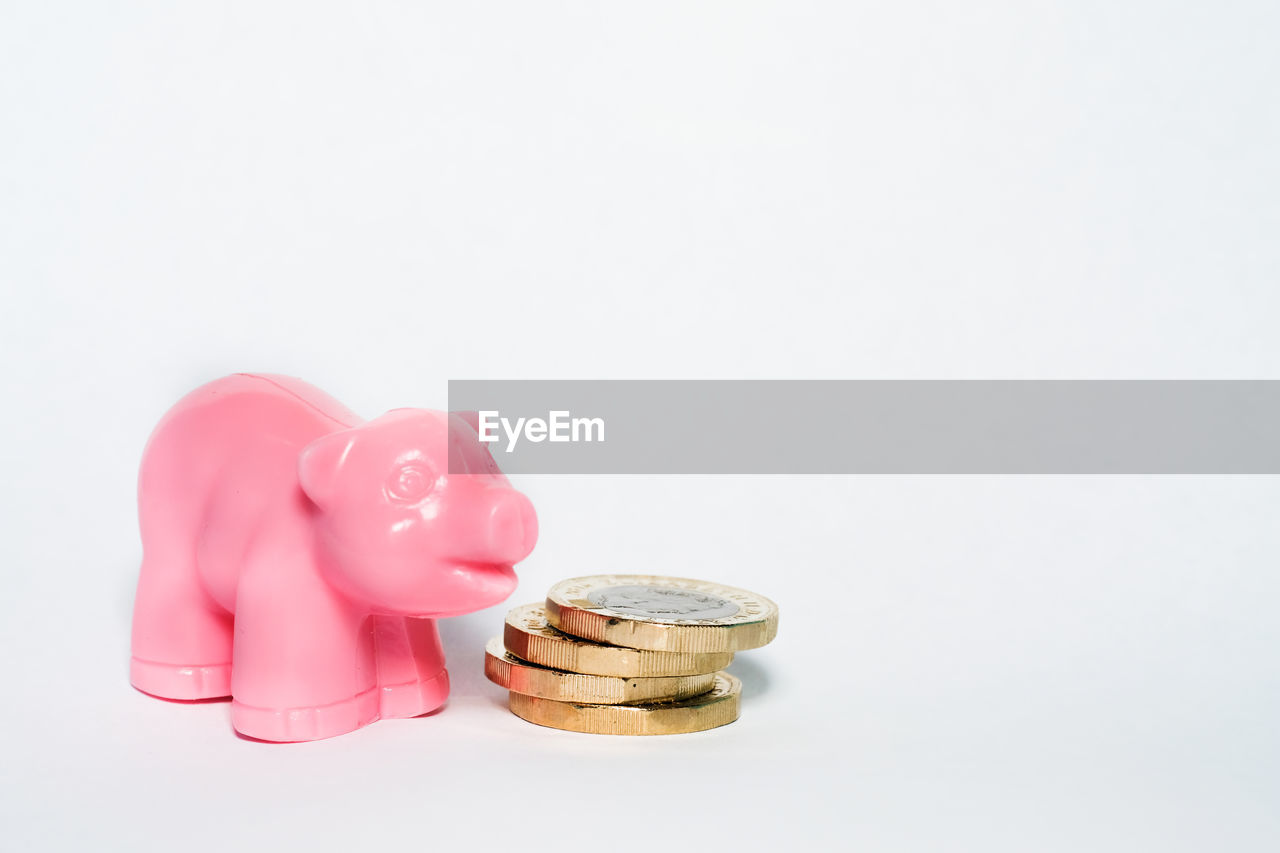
629	654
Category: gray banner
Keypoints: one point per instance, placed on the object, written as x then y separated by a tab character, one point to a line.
876	427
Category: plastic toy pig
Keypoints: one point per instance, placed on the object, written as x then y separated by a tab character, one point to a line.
295	557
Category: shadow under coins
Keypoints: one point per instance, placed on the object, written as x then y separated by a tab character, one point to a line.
754	677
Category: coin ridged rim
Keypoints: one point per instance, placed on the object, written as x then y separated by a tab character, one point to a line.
570	611
506	670
708	711
546	646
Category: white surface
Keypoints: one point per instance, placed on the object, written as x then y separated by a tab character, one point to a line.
378	198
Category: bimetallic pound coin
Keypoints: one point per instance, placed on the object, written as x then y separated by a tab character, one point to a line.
662	614
506	670
528	636
717	708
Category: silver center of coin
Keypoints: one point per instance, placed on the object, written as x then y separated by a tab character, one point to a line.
662	603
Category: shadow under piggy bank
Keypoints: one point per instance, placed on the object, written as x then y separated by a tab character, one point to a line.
464	638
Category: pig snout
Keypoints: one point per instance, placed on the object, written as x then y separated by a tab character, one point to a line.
512	527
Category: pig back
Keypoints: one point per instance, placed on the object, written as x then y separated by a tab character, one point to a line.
224	459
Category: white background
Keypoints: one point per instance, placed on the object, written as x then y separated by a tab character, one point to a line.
377	197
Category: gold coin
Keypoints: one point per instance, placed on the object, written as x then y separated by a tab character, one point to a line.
528	636
716	708
662	614
505	669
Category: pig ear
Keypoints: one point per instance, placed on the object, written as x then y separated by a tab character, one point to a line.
472	419
319	464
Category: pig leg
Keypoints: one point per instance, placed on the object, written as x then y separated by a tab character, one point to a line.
181	637
411	676
304	662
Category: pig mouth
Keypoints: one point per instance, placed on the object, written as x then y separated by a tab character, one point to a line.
476	584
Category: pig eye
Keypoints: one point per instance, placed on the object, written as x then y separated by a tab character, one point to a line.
410	482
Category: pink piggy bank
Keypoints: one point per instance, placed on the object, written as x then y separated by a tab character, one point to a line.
295	558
